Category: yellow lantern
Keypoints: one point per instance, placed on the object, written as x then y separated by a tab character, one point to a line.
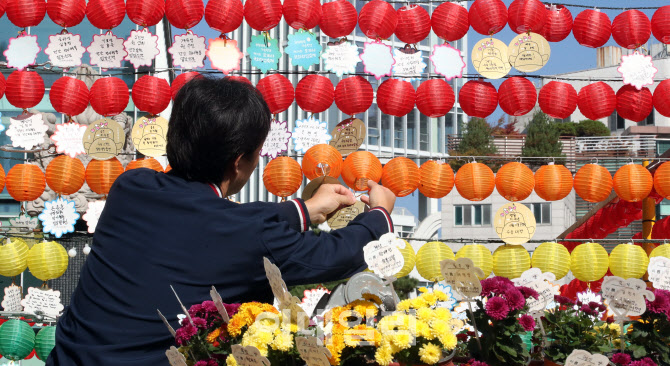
628	261
410	259
428	260
589	262
553	258
481	257
661	251
47	260
510	261
13	257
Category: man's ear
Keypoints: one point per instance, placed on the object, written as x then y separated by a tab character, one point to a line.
234	166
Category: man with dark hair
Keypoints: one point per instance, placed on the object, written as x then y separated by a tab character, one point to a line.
177	229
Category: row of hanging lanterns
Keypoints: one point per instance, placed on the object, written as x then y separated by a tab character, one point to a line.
18	340
45	260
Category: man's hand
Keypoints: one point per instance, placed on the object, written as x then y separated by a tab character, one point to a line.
327	199
379	196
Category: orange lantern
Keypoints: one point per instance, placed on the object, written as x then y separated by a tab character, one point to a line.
436	179
321	160
25	182
2	178
66	175
282	176
101	174
553	182
145	163
515	181
359	167
633	182
401	176
475	181
662	179
593	183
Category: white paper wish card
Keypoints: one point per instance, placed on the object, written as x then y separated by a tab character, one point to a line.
22	51
27	130
12	299
249	356
44	301
659	272
311	352
580	357
107	51
383	256
188	51
142	48
65	50
277	140
68	139
462	275
626	297
59	217
540	282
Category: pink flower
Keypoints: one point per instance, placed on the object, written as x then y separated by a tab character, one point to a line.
497	308
184	334
477	363
200	323
528	292
515	299
209	362
621	359
643	362
527	322
661	305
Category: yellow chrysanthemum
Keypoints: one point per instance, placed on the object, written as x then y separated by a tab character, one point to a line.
443	314
448	341
425	314
283	341
402	340
246	315
383	356
418	303
404	305
430	353
423	330
364	308
440	328
211	337
423	290
230	361
441	296
430	298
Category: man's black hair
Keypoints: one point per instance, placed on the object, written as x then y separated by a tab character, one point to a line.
214	121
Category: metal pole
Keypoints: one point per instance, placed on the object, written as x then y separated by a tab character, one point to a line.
648	218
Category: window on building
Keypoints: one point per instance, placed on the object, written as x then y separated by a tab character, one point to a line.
650	119
424	132
620	122
542	212
398	134
472	215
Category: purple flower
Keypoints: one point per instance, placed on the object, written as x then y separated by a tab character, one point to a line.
497	308
231	309
621	359
660	305
195	310
184	334
586	309
200	323
495	286
643	362
594	305
527	322
515	299
209	362
528	292
602	308
563	300
209	307
478	363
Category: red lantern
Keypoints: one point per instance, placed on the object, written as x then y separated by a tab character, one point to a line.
413	24
558	99
302	14
180	80
661	98
450	21
3	4
109	96
224	15
631	29
26	13
25	89
592	28
596	101
69	96
517	96
145	13
262	15
660	24
66	13
558	25
277	91
105	14
488	17
526	16
396	97
151	94
633	104
338	18
478	98
3	85
435	97
314	93
240	79
378	19
184	14
353	95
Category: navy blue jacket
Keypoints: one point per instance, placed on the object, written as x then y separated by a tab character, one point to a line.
159	230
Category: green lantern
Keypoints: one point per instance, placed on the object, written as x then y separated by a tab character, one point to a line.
45	342
17	339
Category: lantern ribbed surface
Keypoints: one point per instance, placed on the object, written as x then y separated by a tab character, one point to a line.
526	16
101	174
17	339
3	85
589	262
302	14
378	19
224	16
592	28
66	13
596	101
553	258
409	256
401	175
436	179
558	25
413	24
322	160
435	98
475	181
151	94
25	182
184	14
661	98
480	255
45	341
450	21
277	91
517	96
262	15
478	98
396	97
353	95
510	261
633	104
145	13
558	99
660	24
314	93
662	250
631	29
488	17
13	257
662	180
338	18
105	14
65	175
241	79
47	260
428	259
515	181
69	96
628	261
553	182
26	13
25	89
633	182
109	96
2	178
148	163
282	176
358	168
593	183
181	80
